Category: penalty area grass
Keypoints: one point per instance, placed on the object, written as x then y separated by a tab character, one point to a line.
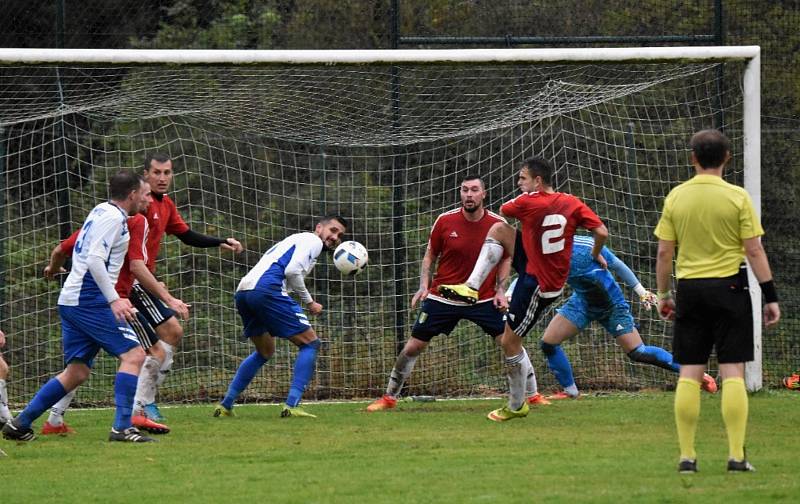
601	448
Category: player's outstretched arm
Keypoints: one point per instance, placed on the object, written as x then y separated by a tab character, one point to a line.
2	339
150	283
232	245
195	239
621	270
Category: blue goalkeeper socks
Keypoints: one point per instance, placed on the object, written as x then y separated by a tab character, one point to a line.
303	370
655	356
50	393
559	364
124	392
244	375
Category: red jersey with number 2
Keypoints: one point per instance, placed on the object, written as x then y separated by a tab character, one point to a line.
549	221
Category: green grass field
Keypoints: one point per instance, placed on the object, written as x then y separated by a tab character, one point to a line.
616	447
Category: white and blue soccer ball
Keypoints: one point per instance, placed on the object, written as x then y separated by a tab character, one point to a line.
350	257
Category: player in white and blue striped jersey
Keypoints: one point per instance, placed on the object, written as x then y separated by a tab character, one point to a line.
93	315
596	296
268	312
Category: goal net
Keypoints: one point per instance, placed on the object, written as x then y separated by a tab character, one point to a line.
262	149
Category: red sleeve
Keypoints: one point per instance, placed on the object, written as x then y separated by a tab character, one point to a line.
136	226
175	224
435	240
587	219
69	244
513	208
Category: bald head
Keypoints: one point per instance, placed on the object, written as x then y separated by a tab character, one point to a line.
711	148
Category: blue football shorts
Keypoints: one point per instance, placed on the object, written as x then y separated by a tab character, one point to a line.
616	319
87	329
270	312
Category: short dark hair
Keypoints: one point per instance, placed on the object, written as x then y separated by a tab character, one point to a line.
710	148
123	183
331	217
540	167
158	157
471	176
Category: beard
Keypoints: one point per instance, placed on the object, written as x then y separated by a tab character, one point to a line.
472	209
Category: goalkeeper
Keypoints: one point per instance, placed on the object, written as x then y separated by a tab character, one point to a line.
597	296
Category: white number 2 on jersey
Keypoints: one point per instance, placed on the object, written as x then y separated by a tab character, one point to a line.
550	238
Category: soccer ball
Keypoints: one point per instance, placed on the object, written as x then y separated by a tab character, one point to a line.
350	257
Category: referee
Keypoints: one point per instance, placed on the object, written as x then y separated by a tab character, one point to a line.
714	226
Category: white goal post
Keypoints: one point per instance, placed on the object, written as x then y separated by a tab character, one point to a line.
332	150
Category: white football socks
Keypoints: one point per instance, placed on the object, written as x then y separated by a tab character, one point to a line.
400	373
517	373
491	253
59	409
5	413
146	385
531	387
166	366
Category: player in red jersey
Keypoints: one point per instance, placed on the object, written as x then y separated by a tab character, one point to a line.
142	325
455	243
549	220
163	218
151	296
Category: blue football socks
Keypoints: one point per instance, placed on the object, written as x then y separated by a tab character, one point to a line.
50	393
124	391
655	356
559	364
244	375
303	370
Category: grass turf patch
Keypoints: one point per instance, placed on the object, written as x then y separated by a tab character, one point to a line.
616	447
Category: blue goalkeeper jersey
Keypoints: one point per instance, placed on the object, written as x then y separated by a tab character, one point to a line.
593	283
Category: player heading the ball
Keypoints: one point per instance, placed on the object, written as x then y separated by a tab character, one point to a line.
268	312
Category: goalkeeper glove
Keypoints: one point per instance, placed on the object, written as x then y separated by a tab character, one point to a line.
647	298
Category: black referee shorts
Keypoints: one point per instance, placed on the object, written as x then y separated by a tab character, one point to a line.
713	313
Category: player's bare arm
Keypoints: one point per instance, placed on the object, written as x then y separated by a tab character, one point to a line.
149	282
232	245
425	276
600	235
56	264
503	273
759	263
666	253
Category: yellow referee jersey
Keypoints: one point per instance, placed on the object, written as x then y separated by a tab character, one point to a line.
708	219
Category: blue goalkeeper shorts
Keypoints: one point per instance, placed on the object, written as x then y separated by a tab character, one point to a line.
616	319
